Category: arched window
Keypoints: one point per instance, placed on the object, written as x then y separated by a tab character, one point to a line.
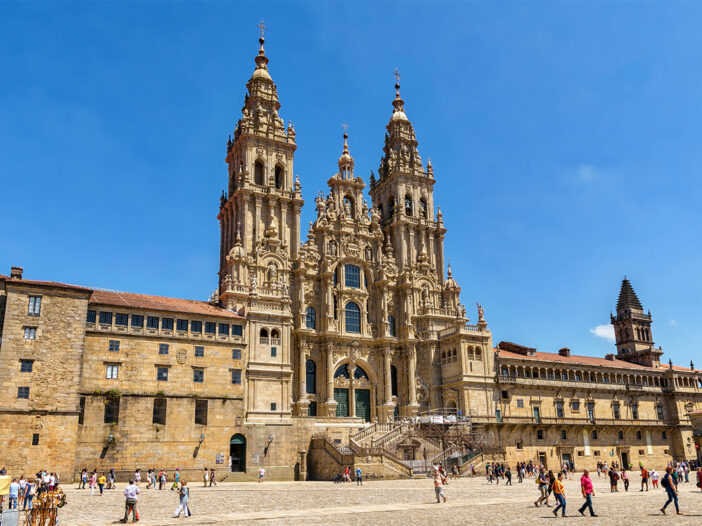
359	373
336	276
310	377
391	207
264	336
352	276
258	172
423	208
342	372
348	206
310	318
279	176
275	333
393	379
352	318
391	325
408	205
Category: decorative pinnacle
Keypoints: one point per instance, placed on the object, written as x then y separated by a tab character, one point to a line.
261	27
261	59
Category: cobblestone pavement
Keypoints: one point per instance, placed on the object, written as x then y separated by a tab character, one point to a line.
380	502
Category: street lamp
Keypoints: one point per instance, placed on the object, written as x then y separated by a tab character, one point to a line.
202	437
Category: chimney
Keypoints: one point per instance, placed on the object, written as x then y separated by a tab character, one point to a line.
609	357
16	272
564	352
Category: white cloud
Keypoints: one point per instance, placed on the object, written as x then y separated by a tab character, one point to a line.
604	331
673	323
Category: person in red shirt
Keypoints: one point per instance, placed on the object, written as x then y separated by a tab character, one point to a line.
588	492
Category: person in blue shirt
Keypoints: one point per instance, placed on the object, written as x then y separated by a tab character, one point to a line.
359	477
669	486
14	494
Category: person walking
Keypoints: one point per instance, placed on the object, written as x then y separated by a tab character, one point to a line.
359	476
262	474
439	486
14	494
625	479
543	488
162	479
184	493
644	478
137	476
131	493
699	477
508	476
205	477
176	479
29	492
671	490
588	492
101	482
654	478
213	479
559	494
92	483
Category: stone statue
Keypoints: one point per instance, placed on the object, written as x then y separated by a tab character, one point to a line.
332	248
254	283
481	312
347	209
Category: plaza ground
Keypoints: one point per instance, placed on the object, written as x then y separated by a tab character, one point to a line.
381	502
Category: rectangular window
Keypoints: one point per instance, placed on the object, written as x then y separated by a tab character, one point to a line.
635	411
591	410
112	372
198	375
237	330
111	411
34	306
152	322
575	405
274	351
273	406
199	352
236	354
659	412
162	374
210	327
81	410
498	416
137	321
167	324
559	410
23	392
352	275
195	326
159	413
35	439
30	333
520	445
564	436
504	395
539	434
223	329
91	317
520	402
121	319
616	412
236	376
26	366
113	345
182	325
163	348
106	318
201	412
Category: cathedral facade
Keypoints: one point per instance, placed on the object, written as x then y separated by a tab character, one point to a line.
311	351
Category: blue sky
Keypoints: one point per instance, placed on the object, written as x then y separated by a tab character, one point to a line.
564	138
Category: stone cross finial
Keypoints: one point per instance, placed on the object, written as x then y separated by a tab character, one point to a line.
261	27
397	76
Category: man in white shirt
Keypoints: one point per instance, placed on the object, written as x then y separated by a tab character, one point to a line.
131	492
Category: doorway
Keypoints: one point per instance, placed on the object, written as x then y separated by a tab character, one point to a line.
363	404
342	401
625	459
237	453
542	459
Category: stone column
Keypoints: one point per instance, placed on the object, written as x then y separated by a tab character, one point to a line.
295	241
303	371
411	381
284	232
257	223
387	354
330	374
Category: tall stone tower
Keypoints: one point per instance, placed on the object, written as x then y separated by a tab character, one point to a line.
403	193
632	329
259	219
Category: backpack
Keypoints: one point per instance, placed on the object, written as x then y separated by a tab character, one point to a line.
666	481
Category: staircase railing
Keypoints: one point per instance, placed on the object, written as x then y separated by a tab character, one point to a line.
446	453
394	462
383	440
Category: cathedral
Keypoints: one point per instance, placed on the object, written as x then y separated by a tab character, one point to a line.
317	353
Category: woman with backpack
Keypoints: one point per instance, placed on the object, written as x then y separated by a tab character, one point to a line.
670	489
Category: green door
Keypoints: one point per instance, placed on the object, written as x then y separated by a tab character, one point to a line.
363	404
342	400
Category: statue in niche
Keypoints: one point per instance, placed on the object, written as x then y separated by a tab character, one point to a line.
331	248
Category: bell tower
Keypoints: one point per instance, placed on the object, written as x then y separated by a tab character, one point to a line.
632	329
261	208
403	194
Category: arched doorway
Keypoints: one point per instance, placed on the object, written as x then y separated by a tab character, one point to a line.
237	453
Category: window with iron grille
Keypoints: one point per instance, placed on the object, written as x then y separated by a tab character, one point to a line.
35	439
23	392
201	412
163	348
159	412
236	376
198	375
236	354
113	345
199	351
162	374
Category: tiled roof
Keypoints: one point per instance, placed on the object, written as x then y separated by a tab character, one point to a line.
143	301
54	284
576	360
627	297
